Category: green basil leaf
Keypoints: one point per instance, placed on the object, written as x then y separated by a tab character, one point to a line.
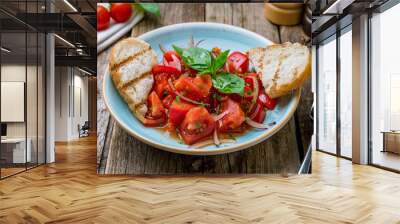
178	49
228	83
197	58
220	61
151	8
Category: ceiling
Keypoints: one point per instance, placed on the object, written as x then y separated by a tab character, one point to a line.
72	20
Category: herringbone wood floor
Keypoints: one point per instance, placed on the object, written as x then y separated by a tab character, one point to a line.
69	191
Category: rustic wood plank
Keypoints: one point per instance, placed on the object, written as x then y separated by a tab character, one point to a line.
305	123
251	17
294	34
102	113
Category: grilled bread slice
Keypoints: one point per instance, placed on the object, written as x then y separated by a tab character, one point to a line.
131	61
282	67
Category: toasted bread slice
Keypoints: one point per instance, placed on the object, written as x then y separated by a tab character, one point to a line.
131	61
282	67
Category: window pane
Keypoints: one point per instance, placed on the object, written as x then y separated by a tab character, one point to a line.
345	94
327	97
385	84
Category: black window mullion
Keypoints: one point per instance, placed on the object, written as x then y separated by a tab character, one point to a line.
26	87
338	73
316	96
37	90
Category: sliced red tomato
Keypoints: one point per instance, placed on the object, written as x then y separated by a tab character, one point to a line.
167	101
103	18
204	84
156	108
233	119
267	101
156	115
158	69
121	12
172	59
237	62
178	111
260	116
198	124
161	85
186	87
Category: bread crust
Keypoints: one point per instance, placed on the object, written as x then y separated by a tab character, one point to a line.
130	64
276	82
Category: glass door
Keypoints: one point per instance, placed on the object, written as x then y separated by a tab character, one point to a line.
14	153
385	89
22	78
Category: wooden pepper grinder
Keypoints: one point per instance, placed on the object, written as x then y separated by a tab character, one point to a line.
285	14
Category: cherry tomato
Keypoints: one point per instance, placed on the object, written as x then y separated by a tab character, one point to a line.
233	119
103	18
157	69
198	124
178	111
121	12
237	62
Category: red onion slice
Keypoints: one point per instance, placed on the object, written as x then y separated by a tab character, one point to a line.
184	97
162	48
256	111
215	137
256	124
211	142
220	116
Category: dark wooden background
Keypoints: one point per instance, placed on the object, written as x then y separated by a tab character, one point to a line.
120	153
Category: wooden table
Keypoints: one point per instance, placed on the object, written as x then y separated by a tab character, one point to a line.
119	153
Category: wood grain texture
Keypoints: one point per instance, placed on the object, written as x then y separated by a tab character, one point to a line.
279	154
70	191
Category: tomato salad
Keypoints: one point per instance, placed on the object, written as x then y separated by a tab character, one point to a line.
199	94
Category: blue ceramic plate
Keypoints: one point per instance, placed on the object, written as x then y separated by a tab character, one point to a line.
214	34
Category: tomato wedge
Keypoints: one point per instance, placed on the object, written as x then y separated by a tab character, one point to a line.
259	118
178	111
158	69
237	62
198	124
233	119
161	85
155	115
267	101
167	101
204	84
156	108
186	87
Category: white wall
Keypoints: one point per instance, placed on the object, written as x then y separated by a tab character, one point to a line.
70	83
